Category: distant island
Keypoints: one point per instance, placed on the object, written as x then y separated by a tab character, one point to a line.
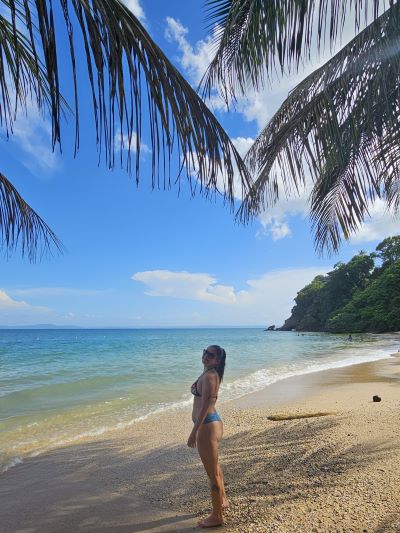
362	295
40	326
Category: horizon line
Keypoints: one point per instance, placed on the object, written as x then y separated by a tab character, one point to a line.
71	326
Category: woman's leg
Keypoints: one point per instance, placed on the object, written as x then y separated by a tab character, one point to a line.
225	501
208	439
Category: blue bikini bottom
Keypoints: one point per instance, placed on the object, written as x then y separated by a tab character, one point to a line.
212	417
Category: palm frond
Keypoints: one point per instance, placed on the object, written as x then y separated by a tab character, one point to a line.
22	74
254	38
340	126
21	226
131	82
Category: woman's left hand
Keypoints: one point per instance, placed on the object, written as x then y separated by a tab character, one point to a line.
192	439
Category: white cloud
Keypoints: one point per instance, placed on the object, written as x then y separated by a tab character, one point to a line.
55	291
121	141
136	8
266	300
243	144
262	105
275	219
279	230
380	225
8	303
32	133
14	310
259	106
185	285
273	292
194	60
254	106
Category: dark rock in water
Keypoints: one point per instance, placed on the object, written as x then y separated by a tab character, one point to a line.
270	328
376	398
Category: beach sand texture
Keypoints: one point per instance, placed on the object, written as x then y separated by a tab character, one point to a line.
336	473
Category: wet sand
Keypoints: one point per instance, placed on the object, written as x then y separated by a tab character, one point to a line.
336	473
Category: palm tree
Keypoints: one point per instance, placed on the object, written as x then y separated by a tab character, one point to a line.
340	126
130	78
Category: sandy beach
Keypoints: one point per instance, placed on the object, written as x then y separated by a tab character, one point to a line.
333	473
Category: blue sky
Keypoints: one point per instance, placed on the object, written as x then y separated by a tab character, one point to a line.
141	258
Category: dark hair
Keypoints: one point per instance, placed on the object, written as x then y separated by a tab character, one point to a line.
222	358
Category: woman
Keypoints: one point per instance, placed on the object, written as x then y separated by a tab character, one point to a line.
207	430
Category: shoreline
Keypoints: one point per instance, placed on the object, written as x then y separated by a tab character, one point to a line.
141	478
265	389
304	386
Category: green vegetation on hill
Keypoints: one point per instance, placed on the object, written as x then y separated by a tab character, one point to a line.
359	296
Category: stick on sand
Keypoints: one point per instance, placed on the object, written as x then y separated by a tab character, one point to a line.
295	416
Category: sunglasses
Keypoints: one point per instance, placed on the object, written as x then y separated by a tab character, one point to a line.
209	354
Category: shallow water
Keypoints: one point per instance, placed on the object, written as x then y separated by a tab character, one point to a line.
59	385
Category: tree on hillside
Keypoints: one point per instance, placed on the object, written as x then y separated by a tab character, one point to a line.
129	78
388	251
374	309
346	278
340	125
304	314
320	299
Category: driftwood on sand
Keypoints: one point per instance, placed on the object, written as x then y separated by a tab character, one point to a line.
296	415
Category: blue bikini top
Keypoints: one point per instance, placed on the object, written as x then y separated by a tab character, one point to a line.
193	388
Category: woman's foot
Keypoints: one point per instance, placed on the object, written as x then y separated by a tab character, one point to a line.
211	521
225	503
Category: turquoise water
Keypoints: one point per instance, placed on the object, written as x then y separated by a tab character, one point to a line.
59	385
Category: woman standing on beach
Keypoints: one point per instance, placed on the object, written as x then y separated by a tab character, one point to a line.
207	430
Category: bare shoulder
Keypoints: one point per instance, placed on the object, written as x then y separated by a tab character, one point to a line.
212	376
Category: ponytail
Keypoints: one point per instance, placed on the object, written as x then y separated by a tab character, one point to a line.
222	358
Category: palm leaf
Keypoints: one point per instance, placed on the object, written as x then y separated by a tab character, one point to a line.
131	82
130	79
340	126
253	38
22	74
21	226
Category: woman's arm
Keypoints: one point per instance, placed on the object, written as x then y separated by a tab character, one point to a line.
208	398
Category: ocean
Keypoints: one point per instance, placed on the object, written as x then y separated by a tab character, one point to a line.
57	386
